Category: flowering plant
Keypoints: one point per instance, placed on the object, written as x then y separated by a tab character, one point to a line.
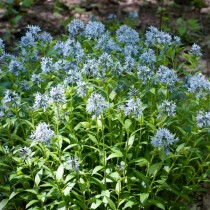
98	121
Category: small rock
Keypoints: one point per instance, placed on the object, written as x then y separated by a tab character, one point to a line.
205	10
206	201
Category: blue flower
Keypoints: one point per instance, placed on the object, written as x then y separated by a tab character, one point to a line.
82	88
131	50
105	63
16	67
168	108
33	29
70	48
94	29
28	40
41	101
133	106
196	50
112	17
177	40
91	67
127	35
72	163
198	85
76	27
166	76
36	79
43	134
73	76
163	138
133	15
148	57
133	92
25	153
11	97
46	65
24	85
130	64
45	37
96	105
203	119
107	44
57	95
2	46
154	36
144	74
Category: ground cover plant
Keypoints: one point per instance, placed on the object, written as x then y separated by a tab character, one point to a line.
102	120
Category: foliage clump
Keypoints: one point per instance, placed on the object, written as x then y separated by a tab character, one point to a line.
102	120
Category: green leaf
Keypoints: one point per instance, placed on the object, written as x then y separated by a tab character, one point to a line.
118	187
32	191
151	126
115	175
16	19
152	90
116	154
3	203
180	147
127	124
181	130
12	195
112	95
59	172
158	204
96	204
99	123
105	193
96	169
97	182
144	197
28	123
111	204
27	3
130	141
69	177
70	146
61	206
129	204
142	162
68	188
143	177
31	203
38	177
93	138
153	169
85	124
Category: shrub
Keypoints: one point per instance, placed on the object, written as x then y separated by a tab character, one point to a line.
98	121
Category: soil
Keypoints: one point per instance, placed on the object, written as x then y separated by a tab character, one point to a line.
53	17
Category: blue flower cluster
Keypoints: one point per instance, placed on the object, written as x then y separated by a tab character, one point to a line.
203	119
196	50
25	153
43	134
198	85
163	138
166	76
134	107
96	105
168	108
127	35
91	56
72	163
